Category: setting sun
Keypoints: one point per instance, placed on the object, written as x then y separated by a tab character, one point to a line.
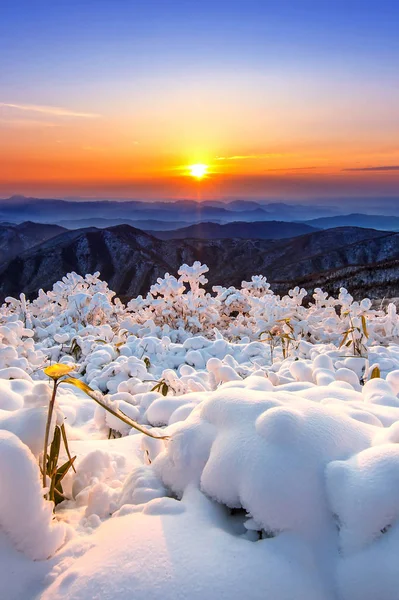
199	171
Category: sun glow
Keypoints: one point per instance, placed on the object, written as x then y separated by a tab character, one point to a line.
198	171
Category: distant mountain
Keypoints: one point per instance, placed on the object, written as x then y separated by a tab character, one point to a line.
261	230
235	205
15	239
102	223
281	211
17	209
243	205
131	260
384	223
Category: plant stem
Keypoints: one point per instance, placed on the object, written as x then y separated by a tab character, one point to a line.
65	440
120	415
46	436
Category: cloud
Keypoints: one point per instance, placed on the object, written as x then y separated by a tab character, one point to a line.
248	156
295	169
383	168
50	110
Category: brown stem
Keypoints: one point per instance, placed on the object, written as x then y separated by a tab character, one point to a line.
46	435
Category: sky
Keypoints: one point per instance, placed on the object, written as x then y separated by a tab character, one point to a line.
280	99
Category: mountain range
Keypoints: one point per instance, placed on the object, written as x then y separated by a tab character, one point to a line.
19	208
16	238
130	260
102	223
261	230
382	222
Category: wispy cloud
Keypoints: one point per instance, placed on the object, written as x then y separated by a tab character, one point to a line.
295	169
248	156
383	168
55	111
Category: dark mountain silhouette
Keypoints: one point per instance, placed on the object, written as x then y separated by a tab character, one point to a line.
382	222
263	230
103	223
130	260
15	239
375	280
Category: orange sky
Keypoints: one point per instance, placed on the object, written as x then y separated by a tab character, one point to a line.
259	150
91	111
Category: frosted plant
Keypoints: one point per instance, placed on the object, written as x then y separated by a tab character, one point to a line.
80	320
257	287
170	303
231	301
17	346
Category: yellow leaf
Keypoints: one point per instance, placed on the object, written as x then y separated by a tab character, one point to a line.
80	384
364	326
58	370
346	334
375	373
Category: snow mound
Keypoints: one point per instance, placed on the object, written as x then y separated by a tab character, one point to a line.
166	551
24	515
265	452
373	572
364	494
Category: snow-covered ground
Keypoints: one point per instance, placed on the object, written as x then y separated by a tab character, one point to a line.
279	474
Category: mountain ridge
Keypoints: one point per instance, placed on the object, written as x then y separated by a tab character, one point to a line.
381	222
131	260
16	238
236	229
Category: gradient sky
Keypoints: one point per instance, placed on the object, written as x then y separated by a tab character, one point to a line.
282	99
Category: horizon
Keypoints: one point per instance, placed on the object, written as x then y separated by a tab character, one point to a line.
107	100
352	204
274	209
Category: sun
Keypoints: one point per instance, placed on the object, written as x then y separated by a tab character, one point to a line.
198	171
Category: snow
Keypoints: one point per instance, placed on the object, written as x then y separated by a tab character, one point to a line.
24	515
364	493
216	563
278	473
371	573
